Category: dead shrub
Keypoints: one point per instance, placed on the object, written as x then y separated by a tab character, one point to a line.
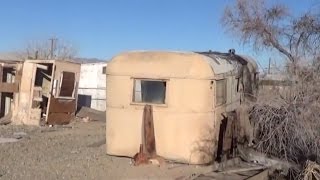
287	124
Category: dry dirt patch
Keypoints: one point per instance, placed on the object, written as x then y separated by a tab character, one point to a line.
76	151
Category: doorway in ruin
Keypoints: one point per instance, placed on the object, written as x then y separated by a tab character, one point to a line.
228	137
41	90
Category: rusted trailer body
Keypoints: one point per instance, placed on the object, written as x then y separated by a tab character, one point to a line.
191	95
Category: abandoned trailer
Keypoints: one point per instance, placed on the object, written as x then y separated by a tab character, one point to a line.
191	94
41	91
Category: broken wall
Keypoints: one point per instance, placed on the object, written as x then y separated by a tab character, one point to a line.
61	96
10	74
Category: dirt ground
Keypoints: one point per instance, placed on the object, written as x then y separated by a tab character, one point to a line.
76	151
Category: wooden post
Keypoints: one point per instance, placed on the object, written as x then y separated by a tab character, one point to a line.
148	137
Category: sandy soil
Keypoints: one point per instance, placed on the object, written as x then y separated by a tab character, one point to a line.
73	152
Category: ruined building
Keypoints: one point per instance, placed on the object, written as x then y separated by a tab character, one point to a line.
39	91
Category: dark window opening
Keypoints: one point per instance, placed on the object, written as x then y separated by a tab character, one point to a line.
238	84
67	84
221	92
104	69
149	91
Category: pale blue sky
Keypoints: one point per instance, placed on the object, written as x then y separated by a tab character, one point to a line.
104	28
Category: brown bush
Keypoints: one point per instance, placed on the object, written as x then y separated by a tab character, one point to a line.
287	123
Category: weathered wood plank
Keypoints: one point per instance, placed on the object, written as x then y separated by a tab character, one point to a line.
264	175
44	67
9	87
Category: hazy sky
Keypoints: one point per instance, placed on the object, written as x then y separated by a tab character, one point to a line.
103	28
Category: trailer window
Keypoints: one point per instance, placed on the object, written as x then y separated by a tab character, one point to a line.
149	91
221	92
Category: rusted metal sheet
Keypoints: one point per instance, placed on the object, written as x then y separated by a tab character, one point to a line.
62	105
59	118
9	87
61	111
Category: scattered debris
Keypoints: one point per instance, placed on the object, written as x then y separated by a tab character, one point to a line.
19	135
243	169
6	119
63	126
52	128
250	155
264	175
2	173
140	157
75	152
88	114
311	171
8	140
47	130
86	119
98	143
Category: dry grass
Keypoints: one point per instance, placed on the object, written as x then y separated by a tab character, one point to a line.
311	171
287	124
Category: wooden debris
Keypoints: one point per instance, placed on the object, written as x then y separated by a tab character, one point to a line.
19	135
86	119
6	119
92	114
5	122
250	155
264	175
243	170
140	158
8	140
311	171
98	143
148	137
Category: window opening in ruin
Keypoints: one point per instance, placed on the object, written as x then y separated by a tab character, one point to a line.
67	84
221	92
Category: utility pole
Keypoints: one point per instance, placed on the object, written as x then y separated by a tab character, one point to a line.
52	48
